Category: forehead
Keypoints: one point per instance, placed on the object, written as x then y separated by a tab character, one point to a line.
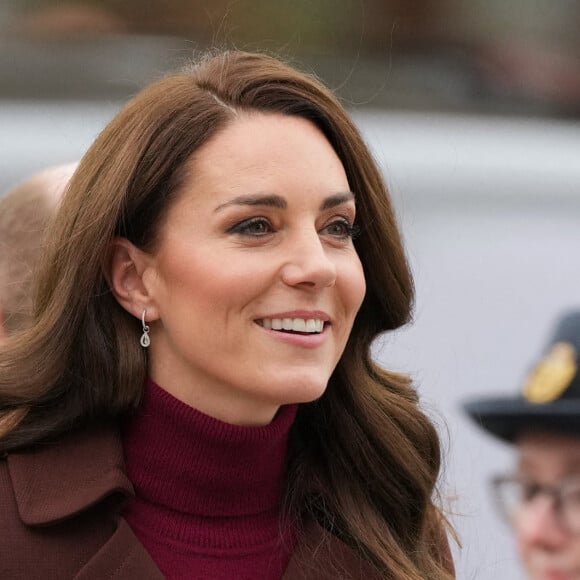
260	144
549	451
256	155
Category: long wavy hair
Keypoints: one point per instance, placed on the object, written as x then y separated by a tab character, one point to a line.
364	459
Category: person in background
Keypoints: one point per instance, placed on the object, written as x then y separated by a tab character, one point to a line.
541	497
25	212
197	396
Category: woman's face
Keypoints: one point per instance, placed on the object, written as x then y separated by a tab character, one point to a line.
255	281
548	550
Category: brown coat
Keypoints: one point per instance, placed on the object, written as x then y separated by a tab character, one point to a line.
59	507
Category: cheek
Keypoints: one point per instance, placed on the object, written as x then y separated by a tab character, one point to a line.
526	552
354	286
521	546
575	550
525	559
185	274
206	279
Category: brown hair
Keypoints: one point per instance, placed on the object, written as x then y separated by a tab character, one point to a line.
364	459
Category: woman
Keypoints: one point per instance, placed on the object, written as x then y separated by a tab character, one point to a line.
197	397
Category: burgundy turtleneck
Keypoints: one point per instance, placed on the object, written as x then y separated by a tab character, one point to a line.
208	493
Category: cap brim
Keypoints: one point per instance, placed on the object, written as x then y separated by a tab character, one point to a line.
506	418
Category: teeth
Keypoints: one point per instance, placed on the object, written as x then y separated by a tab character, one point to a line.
312	325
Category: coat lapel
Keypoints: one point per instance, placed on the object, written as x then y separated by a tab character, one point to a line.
122	558
57	481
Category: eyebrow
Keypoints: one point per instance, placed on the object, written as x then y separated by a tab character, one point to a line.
279	202
337	199
264	200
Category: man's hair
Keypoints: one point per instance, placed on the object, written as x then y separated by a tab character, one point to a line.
25	212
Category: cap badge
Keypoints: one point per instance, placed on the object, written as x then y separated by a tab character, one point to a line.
552	375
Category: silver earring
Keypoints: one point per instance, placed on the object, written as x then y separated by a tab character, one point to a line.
145	340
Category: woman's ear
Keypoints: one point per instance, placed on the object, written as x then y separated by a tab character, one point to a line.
124	273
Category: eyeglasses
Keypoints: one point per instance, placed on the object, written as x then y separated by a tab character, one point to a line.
517	497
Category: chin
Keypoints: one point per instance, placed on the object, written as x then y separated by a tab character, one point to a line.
301	391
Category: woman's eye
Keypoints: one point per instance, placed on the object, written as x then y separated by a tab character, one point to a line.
253	227
342	229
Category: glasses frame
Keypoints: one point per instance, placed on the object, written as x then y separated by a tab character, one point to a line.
556	492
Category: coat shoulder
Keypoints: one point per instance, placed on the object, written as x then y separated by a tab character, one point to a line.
59	512
323	556
49	552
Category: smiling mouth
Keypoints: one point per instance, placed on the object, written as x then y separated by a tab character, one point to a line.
293	325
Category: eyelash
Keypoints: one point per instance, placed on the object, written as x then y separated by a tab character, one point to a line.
352	230
244	228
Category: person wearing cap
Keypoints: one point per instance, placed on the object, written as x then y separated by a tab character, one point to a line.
541	498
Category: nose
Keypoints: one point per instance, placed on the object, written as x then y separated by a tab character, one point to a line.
539	526
308	263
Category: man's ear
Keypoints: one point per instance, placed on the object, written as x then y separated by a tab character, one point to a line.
124	273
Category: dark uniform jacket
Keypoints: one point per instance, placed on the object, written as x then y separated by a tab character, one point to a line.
59	519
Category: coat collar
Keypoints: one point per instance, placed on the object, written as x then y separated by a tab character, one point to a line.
55	481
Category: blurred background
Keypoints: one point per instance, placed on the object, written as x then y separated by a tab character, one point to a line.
472	110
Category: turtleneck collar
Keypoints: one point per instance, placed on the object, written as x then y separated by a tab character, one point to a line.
202	480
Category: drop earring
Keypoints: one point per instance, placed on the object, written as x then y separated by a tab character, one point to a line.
145	340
